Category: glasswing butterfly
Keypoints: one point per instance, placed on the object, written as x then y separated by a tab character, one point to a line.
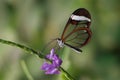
76	32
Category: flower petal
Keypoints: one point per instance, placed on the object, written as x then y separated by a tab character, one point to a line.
51	55
55	64
53	71
45	66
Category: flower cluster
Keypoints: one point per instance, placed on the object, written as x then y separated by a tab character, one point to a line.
52	68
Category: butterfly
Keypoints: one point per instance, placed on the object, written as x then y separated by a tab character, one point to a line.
77	31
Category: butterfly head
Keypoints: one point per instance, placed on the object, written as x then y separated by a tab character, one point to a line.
60	42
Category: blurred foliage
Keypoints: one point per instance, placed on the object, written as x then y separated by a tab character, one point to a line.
36	22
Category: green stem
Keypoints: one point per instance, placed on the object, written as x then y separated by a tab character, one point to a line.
67	75
30	50
25	69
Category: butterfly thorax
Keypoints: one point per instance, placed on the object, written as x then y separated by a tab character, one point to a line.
60	42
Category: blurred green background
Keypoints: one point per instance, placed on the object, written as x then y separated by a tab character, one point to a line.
36	22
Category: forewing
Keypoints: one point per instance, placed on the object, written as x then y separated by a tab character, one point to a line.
80	18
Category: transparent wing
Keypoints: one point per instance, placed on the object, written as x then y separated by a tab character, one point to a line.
73	24
78	37
52	44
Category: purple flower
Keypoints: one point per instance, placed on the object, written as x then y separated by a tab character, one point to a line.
52	68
